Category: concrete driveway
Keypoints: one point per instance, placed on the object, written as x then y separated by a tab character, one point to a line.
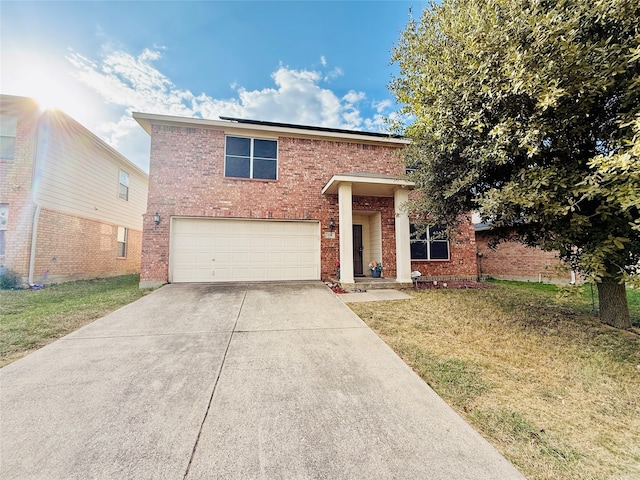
269	381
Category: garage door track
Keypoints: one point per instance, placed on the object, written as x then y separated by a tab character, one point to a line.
269	381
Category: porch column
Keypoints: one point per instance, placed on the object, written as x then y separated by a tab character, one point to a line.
345	211
403	237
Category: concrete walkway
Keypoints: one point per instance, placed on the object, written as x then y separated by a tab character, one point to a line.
269	381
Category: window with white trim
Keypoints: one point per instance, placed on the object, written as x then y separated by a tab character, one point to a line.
251	158
123	185
4	219
8	127
122	242
429	245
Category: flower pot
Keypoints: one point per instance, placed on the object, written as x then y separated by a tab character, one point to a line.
375	273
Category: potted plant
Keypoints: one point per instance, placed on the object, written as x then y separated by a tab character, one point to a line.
376	268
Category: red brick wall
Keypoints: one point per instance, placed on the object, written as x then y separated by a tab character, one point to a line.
187	179
462	258
514	261
73	248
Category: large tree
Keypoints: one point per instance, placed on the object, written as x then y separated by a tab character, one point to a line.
529	112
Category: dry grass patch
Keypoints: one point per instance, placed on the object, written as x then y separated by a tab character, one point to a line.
554	390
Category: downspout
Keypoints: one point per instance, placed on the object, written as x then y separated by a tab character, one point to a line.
36	214
34	237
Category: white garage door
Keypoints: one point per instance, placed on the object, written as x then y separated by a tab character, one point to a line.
221	250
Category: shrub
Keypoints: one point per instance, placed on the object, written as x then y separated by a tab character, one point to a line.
9	279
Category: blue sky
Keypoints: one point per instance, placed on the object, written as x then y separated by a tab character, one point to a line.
305	62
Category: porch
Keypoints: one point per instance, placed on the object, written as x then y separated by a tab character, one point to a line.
363	229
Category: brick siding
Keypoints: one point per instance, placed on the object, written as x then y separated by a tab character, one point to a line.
15	191
514	261
462	258
70	247
187	179
74	248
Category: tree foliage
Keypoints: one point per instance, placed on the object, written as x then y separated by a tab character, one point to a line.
529	112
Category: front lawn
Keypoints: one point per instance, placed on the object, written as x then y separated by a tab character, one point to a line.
531	368
29	319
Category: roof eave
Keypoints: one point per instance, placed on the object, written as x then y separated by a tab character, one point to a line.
147	119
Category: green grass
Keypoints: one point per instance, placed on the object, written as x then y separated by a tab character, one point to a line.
531	368
30	319
580	298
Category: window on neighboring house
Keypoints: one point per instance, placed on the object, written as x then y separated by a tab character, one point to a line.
8	126
251	158
429	245
4	217
123	187
122	242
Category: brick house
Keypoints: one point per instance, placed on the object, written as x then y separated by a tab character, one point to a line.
243	200
70	206
512	260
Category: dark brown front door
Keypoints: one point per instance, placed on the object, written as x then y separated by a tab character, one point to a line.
357	250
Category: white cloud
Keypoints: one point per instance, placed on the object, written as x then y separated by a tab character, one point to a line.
333	74
132	83
354	97
382	105
323	61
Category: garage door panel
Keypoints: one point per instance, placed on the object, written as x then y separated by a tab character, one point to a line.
218	274
275	258
258	258
202	257
199	274
224	258
243	250
257	242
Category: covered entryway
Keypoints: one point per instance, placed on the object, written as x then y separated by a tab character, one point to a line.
231	250
352	237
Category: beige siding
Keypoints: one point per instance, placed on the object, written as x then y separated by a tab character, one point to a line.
77	174
375	226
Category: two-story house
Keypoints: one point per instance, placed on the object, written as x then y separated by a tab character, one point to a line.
244	200
70	205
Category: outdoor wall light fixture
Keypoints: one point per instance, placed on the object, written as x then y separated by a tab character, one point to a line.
332	224
156	218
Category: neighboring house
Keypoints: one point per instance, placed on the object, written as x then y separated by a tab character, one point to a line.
70	206
243	200
512	260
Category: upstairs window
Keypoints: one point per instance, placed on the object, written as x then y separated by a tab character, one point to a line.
429	245
251	158
122	242
8	126
123	187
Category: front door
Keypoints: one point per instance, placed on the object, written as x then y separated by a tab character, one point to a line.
357	251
